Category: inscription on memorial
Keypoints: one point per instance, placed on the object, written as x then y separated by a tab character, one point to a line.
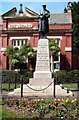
42	56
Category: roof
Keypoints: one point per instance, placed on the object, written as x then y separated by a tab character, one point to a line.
59	18
55	18
13	10
0	20
30	11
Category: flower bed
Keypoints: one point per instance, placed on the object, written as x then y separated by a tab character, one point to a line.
48	108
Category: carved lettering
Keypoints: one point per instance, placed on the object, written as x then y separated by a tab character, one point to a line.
20	26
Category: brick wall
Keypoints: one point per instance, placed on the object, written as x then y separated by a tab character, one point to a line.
66	41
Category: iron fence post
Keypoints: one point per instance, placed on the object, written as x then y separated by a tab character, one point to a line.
15	79
54	86
1	83
21	86
9	83
78	83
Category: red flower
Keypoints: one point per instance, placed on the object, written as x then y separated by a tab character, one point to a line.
32	116
57	101
7	103
60	100
75	100
30	100
11	101
14	108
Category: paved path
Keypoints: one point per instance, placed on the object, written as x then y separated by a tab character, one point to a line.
75	96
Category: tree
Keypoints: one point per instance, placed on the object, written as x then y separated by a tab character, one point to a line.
11	54
53	50
31	52
75	19
31	57
18	57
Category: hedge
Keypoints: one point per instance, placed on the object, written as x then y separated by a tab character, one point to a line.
63	76
11	75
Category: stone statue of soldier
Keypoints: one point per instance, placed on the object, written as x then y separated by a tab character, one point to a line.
43	22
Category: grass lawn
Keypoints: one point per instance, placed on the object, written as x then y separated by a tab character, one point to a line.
8	114
70	86
5	87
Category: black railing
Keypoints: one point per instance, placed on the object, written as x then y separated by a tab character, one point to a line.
21	86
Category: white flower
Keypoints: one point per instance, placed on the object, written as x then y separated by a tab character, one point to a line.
61	117
58	99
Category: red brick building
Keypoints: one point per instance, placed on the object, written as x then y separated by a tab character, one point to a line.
21	28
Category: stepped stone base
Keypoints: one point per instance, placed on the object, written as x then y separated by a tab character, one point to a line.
48	92
40	87
37	87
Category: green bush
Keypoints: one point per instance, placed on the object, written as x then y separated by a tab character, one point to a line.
10	75
63	76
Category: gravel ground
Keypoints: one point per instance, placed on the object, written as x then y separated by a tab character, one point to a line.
75	95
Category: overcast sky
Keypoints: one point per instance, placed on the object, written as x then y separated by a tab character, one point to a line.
54	6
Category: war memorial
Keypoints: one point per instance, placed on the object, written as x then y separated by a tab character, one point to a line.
42	83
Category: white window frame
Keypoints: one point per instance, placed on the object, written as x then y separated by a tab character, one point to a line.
20	38
57	38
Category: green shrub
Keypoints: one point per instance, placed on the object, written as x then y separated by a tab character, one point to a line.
10	75
61	76
64	76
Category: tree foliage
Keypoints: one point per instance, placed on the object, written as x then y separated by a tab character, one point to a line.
75	19
18	57
53	50
53	47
